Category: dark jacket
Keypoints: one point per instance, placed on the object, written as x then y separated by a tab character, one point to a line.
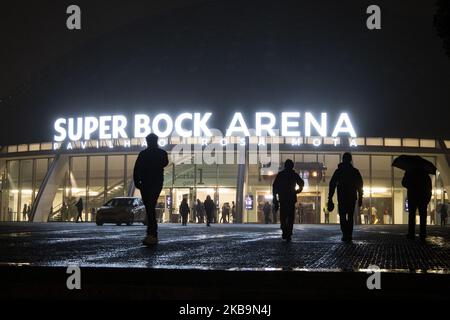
284	185
209	206
149	168
79	205
199	208
184	208
349	184
267	209
418	183
443	211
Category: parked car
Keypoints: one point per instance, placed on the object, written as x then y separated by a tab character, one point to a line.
122	210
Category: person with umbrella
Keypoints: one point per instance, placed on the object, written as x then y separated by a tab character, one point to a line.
418	183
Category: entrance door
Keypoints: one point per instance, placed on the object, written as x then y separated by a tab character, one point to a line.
221	197
226	197
308	208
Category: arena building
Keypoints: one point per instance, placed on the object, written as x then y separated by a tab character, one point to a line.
237	167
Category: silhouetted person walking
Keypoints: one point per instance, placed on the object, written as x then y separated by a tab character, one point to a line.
327	215
233	212
267	209
285	196
184	211
148	177
418	183
200	211
225	212
79	206
443	212
349	185
24	212
209	209
274	214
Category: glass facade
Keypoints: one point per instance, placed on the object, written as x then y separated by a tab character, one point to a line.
21	181
384	197
98	177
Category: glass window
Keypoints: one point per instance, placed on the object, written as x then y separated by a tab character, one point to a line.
228	175
131	160
46	146
58	212
362	163
116	176
411	142
96	182
26	188
314	140
294	141
400	207
310	158
12	190
23	148
35	147
175	140
12	149
374	141
380	191
285	156
391	142
425	143
358	141
78	183
277	140
207	175
431	218
41	171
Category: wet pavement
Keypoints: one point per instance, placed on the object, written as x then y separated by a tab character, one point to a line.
224	247
223	262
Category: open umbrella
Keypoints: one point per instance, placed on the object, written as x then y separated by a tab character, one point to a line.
407	162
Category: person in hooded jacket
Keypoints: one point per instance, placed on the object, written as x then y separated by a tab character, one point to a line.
148	176
349	183
210	207
285	192
184	211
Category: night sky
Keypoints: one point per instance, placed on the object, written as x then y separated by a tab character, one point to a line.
223	56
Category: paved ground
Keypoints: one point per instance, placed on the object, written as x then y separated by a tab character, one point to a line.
222	262
224	247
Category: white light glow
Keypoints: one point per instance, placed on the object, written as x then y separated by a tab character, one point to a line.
265	127
286	124
311	121
238	125
344	125
156	125
179	125
61	136
141	126
188	125
368	190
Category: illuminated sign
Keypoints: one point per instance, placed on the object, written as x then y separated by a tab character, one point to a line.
249	202
291	124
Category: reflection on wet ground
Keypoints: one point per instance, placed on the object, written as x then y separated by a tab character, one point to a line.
225	247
